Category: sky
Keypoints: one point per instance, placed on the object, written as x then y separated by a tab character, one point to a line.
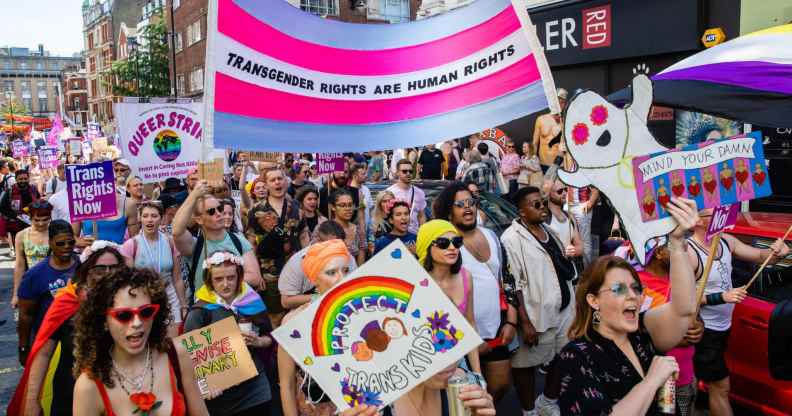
55	23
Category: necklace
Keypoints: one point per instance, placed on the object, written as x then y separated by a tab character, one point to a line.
135	380
145	402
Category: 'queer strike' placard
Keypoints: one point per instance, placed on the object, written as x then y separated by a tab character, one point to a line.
219	355
379	332
711	173
91	191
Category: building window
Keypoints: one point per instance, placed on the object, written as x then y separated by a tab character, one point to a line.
92	64
320	7
176	4
76	85
93	88
90	41
8	86
28	103
23	65
194	32
42	105
177	40
76	104
7	64
25	86
180	84
196	80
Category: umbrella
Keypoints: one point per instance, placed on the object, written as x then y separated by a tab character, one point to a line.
748	79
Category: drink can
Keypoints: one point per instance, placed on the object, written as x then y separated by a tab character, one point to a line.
455	385
666	397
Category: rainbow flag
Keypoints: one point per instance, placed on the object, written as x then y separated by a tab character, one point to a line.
280	79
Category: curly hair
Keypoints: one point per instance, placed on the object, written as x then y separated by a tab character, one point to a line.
92	340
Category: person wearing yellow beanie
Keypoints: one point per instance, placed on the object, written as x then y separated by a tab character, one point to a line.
324	264
438	247
427	235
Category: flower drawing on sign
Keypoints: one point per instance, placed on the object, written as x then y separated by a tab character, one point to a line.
599	115
580	134
357	396
444	335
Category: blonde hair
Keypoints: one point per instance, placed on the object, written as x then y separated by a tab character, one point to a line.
378	216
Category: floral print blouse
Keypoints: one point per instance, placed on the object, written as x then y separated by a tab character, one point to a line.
595	373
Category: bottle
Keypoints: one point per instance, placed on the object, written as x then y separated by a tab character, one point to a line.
666	397
455	385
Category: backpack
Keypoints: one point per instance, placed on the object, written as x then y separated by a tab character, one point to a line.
199	243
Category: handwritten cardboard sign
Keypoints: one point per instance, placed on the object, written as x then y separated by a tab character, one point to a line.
272	157
91	191
379	332
74	146
211	171
48	157
329	162
712	173
723	219
219	355
99	145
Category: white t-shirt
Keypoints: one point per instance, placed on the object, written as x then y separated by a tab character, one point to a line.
60	205
562	229
59	185
486	287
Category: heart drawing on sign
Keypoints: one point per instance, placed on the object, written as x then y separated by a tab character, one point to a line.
396	254
336	367
295	334
424	282
416	313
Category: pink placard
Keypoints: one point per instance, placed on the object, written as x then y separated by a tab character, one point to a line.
329	162
723	219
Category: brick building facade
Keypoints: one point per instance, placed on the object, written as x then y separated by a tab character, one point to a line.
75	97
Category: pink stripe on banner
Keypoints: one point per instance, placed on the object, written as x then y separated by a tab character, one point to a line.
241	98
237	24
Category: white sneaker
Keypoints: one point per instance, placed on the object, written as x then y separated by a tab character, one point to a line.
546	407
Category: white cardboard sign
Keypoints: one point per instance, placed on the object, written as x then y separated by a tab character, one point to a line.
379	332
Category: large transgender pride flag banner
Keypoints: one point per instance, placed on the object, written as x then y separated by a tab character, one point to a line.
279	79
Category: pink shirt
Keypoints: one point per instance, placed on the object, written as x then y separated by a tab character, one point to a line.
510	166
657	291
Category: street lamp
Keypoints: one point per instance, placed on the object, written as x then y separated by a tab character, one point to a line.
132	47
10	104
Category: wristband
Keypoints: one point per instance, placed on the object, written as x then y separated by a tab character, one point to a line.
715	299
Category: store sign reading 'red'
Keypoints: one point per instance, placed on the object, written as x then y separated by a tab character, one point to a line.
597	27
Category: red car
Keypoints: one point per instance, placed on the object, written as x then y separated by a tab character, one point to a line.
752	385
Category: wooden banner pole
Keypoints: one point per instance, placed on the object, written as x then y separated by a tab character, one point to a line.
767	260
705	276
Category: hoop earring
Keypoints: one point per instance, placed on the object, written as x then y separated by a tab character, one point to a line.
597	319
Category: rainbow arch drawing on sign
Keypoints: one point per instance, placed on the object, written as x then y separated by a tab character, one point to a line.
337	307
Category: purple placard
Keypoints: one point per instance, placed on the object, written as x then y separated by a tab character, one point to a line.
723	218
20	148
91	191
48	157
329	162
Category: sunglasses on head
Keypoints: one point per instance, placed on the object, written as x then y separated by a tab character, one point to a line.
620	289
125	315
466	203
65	243
443	243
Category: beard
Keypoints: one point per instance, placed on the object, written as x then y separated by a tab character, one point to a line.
466	227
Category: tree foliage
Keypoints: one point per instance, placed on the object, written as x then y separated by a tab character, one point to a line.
146	72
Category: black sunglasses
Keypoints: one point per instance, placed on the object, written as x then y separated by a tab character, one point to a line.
406	171
443	243
65	243
561	191
212	211
539	204
103	268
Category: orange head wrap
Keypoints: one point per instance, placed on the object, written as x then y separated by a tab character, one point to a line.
319	254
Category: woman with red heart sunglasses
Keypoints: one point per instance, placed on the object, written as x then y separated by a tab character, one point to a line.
124	362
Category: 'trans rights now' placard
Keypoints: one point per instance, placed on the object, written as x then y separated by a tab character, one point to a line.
91	191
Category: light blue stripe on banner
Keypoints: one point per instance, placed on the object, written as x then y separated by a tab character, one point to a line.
292	21
240	132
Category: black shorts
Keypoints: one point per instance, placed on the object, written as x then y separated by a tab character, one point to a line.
499	353
709	362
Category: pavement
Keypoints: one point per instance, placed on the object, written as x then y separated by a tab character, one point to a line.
10	370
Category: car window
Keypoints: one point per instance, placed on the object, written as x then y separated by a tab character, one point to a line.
499	214
775	283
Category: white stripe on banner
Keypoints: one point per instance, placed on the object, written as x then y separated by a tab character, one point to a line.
245	64
772	47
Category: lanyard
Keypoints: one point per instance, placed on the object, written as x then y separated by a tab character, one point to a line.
148	250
